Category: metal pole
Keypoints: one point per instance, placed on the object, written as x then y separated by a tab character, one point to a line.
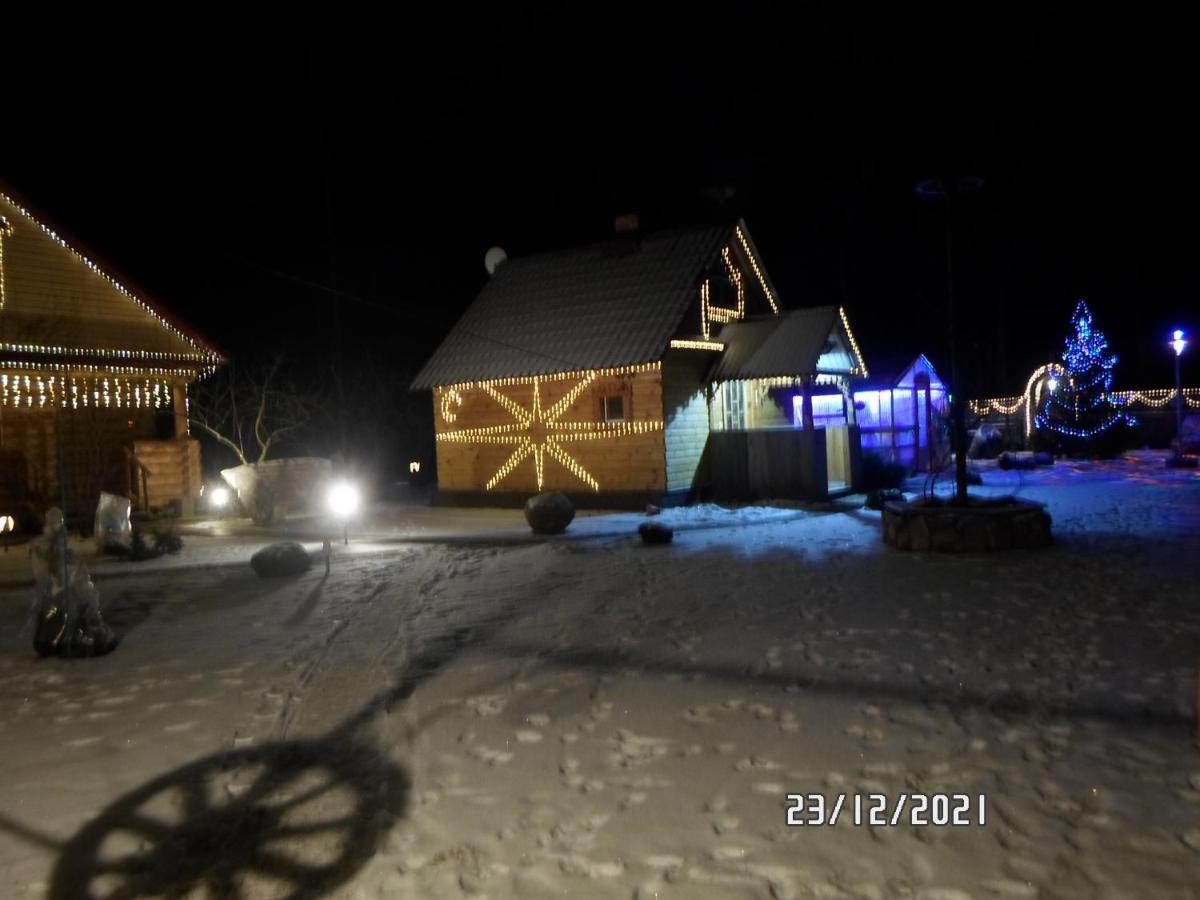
1178	409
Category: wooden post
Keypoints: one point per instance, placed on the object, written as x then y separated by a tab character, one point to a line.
848	394
929	422
806	410
892	423
916	429
179	408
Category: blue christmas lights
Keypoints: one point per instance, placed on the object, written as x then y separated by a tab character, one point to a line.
1080	405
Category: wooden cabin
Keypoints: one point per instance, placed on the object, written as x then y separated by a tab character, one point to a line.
93	382
606	371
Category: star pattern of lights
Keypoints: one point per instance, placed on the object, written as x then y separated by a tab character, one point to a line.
539	432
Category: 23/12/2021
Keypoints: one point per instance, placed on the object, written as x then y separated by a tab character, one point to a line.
880	810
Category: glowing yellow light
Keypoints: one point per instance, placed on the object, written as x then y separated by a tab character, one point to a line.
5	230
540	432
683	344
762	280
450	397
853	344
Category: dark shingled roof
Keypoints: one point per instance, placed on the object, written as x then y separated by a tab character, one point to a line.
605	305
788	344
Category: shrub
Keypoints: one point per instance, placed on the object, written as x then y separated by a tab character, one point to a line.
878	473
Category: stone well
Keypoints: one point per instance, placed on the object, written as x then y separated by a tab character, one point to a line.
983	525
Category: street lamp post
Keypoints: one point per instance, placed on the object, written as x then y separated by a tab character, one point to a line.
1178	343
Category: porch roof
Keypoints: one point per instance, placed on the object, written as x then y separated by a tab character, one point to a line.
798	342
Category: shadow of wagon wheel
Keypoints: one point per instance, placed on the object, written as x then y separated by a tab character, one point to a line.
285	820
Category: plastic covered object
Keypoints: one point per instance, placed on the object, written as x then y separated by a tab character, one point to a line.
64	614
113	528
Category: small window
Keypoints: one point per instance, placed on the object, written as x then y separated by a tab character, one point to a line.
614	408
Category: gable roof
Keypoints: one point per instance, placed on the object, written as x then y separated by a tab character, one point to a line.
790	344
57	304
898	371
601	306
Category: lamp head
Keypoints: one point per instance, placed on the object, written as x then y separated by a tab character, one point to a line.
343	499
1178	341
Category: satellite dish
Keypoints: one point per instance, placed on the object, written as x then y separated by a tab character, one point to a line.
493	258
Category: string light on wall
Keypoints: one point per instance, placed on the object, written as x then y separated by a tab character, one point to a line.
25	391
5	231
515	380
539	432
211	357
450	397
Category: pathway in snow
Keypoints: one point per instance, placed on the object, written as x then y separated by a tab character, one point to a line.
600	719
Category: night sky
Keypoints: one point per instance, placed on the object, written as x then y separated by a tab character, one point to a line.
248	176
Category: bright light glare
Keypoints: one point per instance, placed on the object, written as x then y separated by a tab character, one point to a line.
414	466
343	499
219	497
1052	384
7	523
1178	342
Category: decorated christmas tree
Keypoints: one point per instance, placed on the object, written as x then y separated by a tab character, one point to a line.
1079	407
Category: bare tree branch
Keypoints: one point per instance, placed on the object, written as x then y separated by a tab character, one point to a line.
240	403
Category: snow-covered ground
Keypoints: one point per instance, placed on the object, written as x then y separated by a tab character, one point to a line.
595	718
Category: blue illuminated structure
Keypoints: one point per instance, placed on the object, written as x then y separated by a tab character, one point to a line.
1080	406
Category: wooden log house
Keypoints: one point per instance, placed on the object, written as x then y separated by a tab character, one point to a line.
93	382
605	371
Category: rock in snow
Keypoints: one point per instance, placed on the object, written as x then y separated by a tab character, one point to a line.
549	513
653	533
283	558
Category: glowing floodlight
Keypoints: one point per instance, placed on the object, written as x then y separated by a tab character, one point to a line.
1178	341
1052	384
344	500
219	497
414	466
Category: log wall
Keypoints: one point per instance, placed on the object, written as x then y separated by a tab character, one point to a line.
617	462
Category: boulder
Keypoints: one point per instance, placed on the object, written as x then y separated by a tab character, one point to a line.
654	533
986	442
880	496
283	558
549	513
1021	459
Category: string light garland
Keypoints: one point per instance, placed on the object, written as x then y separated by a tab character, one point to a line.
539	432
209	356
1155	398
685	344
45	350
861	368
758	273
19	391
